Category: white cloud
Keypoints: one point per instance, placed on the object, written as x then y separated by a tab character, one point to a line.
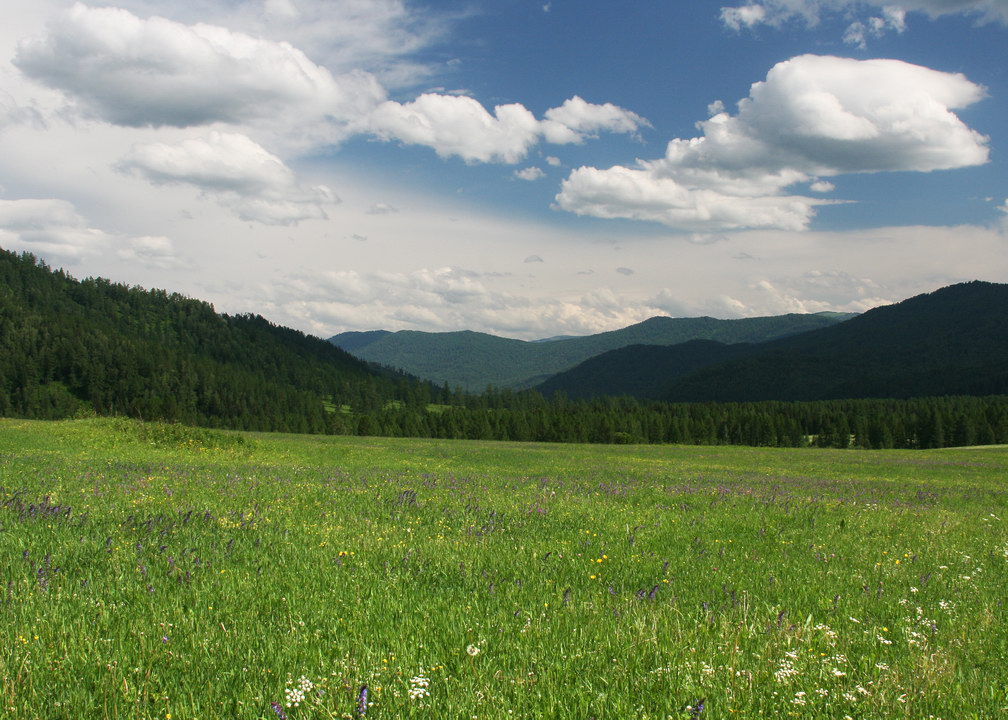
382	209
153	251
553	161
893	17
743	16
50	228
813	116
236	172
529	174
822	186
156	72
576	119
621	192
457	125
444	299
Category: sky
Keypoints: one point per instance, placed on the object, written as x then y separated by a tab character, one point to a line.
528	168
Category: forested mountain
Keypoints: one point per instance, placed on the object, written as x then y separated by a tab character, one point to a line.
953	341
950	342
641	371
472	361
93	345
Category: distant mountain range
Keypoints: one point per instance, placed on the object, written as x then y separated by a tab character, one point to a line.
953	341
472	361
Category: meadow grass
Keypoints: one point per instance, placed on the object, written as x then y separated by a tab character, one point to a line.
154	571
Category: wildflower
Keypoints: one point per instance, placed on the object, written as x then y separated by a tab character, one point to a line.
799	698
418	687
278	710
362	701
472	650
696	708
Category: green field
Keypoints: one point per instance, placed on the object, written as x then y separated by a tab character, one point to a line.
154	571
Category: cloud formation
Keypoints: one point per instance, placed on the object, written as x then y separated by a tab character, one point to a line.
529	174
813	116
49	227
446	298
888	17
457	125
234	171
156	72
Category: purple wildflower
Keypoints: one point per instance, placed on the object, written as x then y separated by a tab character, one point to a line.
362	700
697	708
278	710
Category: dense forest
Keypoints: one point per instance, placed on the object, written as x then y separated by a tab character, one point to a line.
953	341
73	347
69	346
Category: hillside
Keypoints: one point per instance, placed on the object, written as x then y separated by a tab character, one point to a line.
473	361
641	371
950	342
953	341
69	346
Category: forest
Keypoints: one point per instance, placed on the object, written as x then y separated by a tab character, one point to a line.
73	347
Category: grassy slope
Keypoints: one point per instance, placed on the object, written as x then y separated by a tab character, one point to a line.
474	360
595	581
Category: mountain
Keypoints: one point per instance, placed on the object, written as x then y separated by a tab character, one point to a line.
351	341
69	346
641	371
950	342
473	361
953	341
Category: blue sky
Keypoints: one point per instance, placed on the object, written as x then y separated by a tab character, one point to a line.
523	168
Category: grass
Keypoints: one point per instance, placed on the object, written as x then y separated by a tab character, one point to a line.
155	571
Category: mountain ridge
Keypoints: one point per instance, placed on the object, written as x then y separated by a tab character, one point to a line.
951	341
473	360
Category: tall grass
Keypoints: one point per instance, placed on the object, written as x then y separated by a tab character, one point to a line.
164	572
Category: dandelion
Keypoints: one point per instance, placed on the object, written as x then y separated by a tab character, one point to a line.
472	650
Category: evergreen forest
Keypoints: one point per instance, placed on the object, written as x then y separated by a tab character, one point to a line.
73	347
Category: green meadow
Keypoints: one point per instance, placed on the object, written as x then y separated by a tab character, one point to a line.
157	571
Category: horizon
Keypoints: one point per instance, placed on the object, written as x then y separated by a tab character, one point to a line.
526	169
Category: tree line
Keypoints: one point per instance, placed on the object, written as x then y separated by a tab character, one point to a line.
70	347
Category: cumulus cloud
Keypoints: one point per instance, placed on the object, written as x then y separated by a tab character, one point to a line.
50	228
529	174
457	125
234	171
576	119
813	116
382	209
889	17
156	72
